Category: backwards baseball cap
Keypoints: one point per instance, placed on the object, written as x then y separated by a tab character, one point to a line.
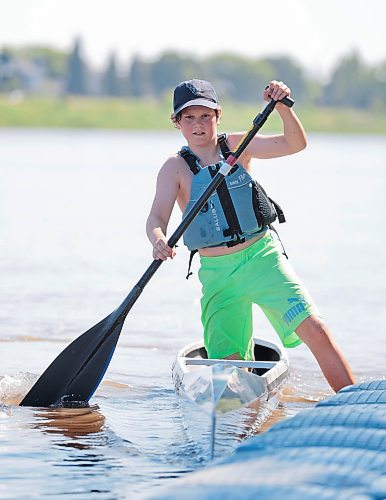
194	93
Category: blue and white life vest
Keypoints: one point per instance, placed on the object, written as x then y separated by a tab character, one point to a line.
238	210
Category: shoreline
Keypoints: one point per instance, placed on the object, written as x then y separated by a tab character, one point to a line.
130	114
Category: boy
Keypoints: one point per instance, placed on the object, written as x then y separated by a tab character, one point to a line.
238	266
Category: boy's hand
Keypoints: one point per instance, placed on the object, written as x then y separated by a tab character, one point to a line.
277	91
161	250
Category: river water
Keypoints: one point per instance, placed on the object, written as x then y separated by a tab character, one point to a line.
73	206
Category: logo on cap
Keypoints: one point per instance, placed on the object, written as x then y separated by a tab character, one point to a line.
195	90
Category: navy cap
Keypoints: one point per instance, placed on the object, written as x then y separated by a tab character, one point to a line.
194	93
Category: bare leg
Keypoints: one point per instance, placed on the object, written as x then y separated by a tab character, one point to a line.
236	355
315	334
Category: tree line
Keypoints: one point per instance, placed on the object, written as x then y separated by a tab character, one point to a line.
43	70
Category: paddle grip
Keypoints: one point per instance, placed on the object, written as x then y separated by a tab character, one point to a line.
288	101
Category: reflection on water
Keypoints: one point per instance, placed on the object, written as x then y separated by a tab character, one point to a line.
71	422
290	400
73	211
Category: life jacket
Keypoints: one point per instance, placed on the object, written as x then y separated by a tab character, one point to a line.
238	210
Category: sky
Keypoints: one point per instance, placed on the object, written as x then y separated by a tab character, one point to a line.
314	33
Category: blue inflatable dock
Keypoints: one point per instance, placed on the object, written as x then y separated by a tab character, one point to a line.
337	450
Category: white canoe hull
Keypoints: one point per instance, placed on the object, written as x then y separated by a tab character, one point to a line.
226	385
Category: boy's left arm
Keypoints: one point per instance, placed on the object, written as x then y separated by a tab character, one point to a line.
293	138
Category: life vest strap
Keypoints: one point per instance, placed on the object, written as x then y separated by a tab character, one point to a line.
229	244
192	254
281	243
234	229
191	160
279	210
222	140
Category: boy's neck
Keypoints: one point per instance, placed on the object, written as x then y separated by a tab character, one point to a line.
208	153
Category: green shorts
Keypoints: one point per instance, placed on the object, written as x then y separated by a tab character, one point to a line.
258	274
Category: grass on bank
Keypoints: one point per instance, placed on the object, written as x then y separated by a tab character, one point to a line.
78	112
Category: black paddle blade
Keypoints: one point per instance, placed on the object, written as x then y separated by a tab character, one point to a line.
76	373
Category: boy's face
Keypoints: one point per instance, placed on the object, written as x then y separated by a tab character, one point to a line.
199	124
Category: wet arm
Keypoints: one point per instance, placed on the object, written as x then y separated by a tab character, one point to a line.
293	138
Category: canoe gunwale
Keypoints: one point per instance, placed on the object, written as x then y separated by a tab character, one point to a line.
226	362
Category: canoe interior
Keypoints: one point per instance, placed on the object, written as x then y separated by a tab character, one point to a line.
262	353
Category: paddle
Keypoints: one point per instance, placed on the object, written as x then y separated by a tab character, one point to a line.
78	370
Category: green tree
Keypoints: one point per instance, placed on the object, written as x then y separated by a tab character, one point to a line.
238	78
10	78
53	61
379	89
350	85
170	69
111	84
76	71
287	70
138	80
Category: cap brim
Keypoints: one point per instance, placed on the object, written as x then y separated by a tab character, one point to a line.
198	102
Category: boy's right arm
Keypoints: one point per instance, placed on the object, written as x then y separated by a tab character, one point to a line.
163	203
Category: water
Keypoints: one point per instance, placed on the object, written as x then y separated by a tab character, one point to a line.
73	206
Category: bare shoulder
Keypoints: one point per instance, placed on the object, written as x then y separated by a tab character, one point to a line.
172	167
234	139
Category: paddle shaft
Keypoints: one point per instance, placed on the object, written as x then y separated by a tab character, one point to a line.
258	122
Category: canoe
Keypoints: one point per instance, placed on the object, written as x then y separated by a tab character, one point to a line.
223	385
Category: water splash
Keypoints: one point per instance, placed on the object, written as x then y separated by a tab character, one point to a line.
13	388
